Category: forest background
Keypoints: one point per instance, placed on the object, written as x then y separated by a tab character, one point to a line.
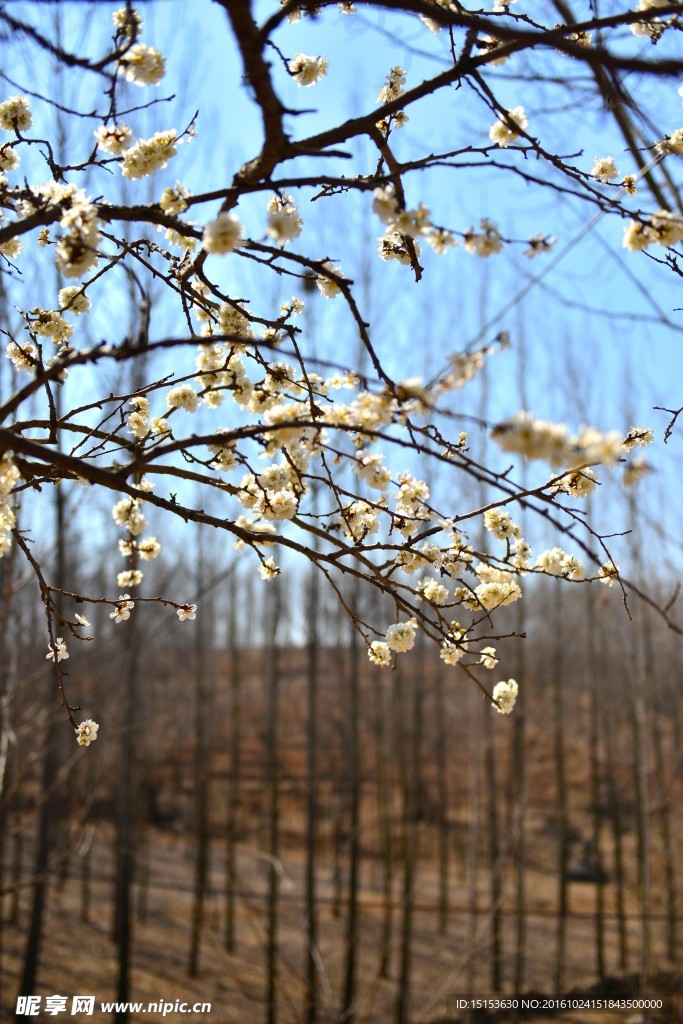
267	821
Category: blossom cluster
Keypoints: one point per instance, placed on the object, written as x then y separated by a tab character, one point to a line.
507	129
127	512
289	454
406	226
661	228
393	89
149	155
307	71
86	733
273	496
505	696
284	222
76	250
295	14
142	65
553	443
652	28
9	476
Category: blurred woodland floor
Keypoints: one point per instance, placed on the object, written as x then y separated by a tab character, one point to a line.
454	850
80	958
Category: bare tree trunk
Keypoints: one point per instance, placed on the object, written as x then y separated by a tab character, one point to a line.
617	839
476	716
493	845
643	827
127	794
126	823
518	790
384	821
272	776
561	784
351	939
202	763
442	797
6	582
640	727
639	724
410	732
84	854
142	874
233	772
594	740
519	798
49	814
17	851
51	793
127	811
312	669
663	787
337	842
338	795
473	836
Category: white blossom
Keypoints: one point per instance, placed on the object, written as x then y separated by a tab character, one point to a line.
505	696
11	248
450	653
608	573
486	242
129	578
127	22
503	132
433	591
222	234
114	138
23	356
327	286
148	548
268	570
149	155
9	158
174	199
487	657
604	169
187	612
86	733
498	522
308	70
74	300
638	437
368	467
284	222
401	636
57	651
122	609
379	653
394	86
127	512
51	324
183	397
142	65
15	114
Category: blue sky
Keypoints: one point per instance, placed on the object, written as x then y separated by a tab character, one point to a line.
578	364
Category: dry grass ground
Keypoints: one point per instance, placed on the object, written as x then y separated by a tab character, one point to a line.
79	956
